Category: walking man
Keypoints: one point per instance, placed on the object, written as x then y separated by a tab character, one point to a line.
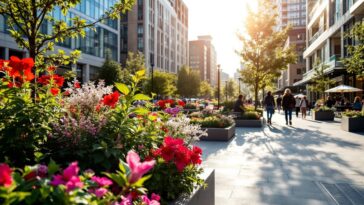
288	103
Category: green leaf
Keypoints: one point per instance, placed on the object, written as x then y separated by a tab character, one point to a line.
141	97
141	111
52	167
122	88
141	181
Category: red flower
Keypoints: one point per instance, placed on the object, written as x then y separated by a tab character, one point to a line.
46	79
3	65
5	175
181	103
161	104
54	91
111	99
21	68
77	84
51	68
196	155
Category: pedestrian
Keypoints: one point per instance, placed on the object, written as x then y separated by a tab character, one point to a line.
304	105
239	104
298	101
288	103
329	102
357	104
269	105
279	103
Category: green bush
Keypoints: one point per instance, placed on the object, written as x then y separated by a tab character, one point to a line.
216	121
354	114
251	115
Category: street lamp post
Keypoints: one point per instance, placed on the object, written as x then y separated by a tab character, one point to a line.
152	76
239	86
218	87
226	91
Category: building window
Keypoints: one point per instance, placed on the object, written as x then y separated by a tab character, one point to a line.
140	9
94	72
299	71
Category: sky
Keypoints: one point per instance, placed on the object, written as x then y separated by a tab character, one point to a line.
222	20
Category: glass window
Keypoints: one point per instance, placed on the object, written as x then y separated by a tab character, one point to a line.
94	72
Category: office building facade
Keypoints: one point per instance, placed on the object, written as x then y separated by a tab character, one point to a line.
93	47
159	30
202	56
292	13
328	21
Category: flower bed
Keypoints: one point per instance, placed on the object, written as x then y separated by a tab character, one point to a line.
248	119
353	121
96	126
219	127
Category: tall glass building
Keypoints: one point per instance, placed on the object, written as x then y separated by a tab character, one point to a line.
94	46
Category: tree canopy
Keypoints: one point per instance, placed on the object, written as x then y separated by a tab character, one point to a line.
110	71
263	51
188	82
355	60
164	84
205	90
25	19
135	62
320	81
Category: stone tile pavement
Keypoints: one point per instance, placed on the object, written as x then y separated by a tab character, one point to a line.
310	162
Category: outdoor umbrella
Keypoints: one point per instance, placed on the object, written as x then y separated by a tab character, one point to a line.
299	95
343	89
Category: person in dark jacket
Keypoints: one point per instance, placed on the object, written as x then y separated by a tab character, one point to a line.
269	105
239	104
279	103
288	103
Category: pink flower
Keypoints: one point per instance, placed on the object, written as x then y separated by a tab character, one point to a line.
101	181
137	168
148	201
71	170
99	192
155	197
73	183
69	178
126	200
5	175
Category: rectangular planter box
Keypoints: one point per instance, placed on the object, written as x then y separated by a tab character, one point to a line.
323	115
352	124
219	134
248	123
200	196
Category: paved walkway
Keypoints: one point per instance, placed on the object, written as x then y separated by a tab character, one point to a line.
310	162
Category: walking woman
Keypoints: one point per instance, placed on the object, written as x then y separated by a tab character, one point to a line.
269	106
288	103
304	105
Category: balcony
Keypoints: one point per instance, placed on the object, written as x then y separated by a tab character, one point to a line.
332	64
357	7
314	37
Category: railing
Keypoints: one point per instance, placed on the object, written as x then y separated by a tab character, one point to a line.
317	34
332	63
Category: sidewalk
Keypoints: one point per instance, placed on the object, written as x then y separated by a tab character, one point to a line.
310	162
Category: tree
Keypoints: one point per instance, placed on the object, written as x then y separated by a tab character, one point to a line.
205	90
320	80
110	71
230	89
26	17
263	52
188	82
135	62
164	84
355	60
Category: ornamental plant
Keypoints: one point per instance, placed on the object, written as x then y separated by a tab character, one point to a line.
26	110
354	114
169	103
213	121
48	184
176	170
251	115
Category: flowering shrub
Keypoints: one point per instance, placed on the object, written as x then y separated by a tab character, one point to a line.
176	170
251	115
163	104
42	184
322	108
191	106
89	126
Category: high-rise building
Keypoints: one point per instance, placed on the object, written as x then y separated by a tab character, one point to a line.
159	30
292	13
203	57
327	23
94	46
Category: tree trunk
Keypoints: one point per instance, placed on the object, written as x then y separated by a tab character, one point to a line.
256	90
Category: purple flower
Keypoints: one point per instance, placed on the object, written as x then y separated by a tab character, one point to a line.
138	169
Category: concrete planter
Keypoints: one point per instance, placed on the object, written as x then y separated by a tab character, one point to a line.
219	134
200	195
328	115
248	123
352	124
